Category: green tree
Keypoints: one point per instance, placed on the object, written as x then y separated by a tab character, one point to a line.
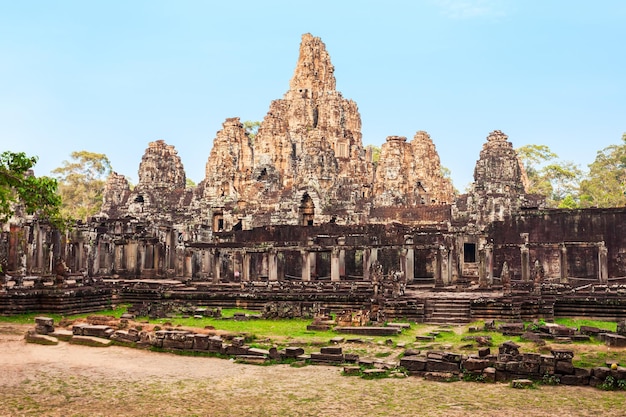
605	186
81	183
251	128
558	181
18	185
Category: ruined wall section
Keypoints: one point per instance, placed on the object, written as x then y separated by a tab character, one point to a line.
409	174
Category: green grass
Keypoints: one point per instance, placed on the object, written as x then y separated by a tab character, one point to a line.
605	325
29	318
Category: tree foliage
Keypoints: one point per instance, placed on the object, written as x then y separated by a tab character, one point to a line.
251	128
605	186
558	181
81	183
38	195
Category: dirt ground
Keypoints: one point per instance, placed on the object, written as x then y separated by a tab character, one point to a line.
71	380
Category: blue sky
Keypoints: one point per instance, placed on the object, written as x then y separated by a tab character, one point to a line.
111	76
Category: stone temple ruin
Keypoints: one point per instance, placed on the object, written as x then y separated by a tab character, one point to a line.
301	215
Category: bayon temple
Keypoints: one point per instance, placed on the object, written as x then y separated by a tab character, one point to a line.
301	215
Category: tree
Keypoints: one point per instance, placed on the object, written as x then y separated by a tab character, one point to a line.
605	186
81	183
558	181
18	185
251	128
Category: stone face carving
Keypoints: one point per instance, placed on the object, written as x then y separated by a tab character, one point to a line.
161	167
160	193
307	165
308	143
115	195
499	187
410	173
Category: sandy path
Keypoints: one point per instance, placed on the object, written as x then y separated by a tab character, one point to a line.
70	380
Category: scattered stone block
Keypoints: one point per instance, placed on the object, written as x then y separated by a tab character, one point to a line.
564	367
441	366
441	376
521	383
473	364
251	359
91	341
489	374
483	352
374	373
590	331
400	325
563	355
351	370
293	352
40	339
44	325
422	338
62	334
413	363
331	350
258	352
615	340
337	340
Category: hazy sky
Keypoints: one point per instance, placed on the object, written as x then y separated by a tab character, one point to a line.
111	76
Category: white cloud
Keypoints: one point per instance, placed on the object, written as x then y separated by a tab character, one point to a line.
471	9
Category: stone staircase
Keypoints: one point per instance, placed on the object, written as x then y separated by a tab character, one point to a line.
447	311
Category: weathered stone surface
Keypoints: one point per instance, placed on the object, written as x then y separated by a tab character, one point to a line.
331	350
563	355
91	341
41	339
441	366
499	187
293	352
413	363
410	173
615	340
472	364
521	383
306	161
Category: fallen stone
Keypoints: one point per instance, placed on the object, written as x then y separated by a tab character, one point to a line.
62	334
351	370
441	376
40	339
90	341
521	383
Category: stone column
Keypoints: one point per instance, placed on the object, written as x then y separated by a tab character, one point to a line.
306	265
272	265
485	271
482	268
366	264
525	252
442	267
489	262
342	256
409	262
334	264
372	256
603	263
245	273
563	264
188	265
217	267
445	266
